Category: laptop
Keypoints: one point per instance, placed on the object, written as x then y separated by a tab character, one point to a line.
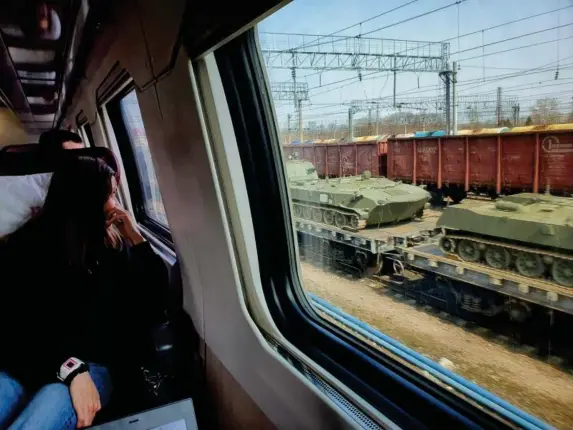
175	416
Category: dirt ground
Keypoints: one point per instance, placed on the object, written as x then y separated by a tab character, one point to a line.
533	385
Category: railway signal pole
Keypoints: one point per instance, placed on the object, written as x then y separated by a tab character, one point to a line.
446	77
351	111
295	91
297	106
515	115
498	109
454	99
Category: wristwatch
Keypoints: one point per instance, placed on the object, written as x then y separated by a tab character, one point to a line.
70	369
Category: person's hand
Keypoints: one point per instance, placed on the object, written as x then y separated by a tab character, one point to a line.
85	399
125	224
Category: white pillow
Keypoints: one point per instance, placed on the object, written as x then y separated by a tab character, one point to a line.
19	195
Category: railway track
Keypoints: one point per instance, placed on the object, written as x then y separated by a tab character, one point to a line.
544	336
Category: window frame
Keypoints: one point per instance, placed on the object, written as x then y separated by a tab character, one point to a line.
131	171
393	387
84	130
87	132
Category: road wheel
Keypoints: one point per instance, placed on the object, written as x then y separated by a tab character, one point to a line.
354	222
469	250
497	257
529	264
297	211
340	220
562	272
328	217
307	212
448	245
317	215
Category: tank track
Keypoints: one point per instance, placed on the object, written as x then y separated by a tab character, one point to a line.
529	262
346	220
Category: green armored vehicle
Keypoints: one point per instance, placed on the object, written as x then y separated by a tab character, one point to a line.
352	202
531	233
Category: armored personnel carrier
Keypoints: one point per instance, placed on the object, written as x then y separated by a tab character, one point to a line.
352	202
529	233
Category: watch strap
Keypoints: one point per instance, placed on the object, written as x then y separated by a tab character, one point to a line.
84	367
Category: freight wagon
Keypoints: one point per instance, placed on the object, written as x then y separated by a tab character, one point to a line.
491	164
341	158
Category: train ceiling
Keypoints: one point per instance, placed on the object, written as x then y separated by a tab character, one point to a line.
35	39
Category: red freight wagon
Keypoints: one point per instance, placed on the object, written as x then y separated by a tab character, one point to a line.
343	158
517	162
555	162
427	160
316	155
453	161
400	159
493	164
332	160
382	159
482	161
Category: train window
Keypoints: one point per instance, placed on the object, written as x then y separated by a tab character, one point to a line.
369	254
129	130
134	124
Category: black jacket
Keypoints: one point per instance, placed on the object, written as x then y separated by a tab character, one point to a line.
50	312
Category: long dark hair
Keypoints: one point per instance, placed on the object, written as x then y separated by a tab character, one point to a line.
72	222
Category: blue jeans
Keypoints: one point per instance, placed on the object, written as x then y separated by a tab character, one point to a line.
51	407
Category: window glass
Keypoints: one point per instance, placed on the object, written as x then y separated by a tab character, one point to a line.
379	154
131	114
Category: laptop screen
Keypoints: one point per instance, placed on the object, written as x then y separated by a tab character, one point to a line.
175	416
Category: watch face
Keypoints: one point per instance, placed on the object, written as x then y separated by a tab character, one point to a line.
70	364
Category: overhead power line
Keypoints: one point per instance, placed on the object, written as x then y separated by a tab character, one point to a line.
508	23
316	43
495	78
480	46
511	38
516	48
501	25
475	66
532	71
359	23
415	17
353	78
450	38
532	87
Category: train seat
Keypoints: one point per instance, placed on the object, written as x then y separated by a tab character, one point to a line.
30	159
25	173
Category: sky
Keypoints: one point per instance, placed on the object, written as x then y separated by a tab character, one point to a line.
328	100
